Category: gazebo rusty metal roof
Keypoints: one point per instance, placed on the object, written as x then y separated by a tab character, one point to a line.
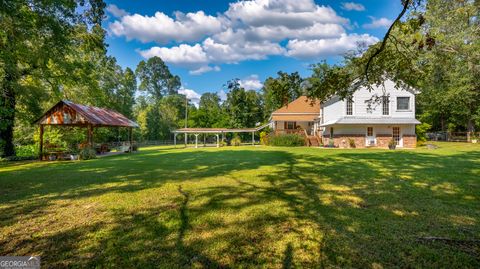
68	113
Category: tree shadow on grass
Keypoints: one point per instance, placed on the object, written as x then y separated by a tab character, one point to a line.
350	209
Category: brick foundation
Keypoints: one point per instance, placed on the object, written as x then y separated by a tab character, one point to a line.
342	141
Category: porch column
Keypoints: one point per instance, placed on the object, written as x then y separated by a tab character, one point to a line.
130	135
253	138
196	141
175	139
204	140
218	142
185	139
40	150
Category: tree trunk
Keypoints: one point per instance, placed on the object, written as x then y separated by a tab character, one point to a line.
7	119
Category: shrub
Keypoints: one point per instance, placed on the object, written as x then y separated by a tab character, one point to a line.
264	138
87	154
26	150
18	158
351	142
421	131
236	141
287	140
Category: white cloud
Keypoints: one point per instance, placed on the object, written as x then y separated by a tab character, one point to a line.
308	49
204	69
292	14
353	6
251	83
192	95
164	29
378	23
247	30
183	55
199	55
223	95
116	11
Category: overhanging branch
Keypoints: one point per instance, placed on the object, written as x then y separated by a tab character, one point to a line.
385	38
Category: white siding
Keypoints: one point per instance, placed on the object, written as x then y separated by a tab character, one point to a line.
335	108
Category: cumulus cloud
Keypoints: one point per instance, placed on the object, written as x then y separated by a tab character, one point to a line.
292	14
183	55
163	29
223	95
377	23
353	6
247	30
251	83
204	69
192	95
116	11
307	49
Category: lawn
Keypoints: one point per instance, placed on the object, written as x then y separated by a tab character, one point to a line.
247	207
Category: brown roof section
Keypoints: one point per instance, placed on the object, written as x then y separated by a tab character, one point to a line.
69	113
299	117
301	105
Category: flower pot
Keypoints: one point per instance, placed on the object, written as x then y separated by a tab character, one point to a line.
392	146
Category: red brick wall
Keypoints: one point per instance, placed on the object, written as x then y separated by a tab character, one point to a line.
342	141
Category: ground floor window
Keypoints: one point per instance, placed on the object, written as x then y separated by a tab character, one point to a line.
369	131
396	135
290	125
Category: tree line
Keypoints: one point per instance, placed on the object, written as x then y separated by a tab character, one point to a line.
53	50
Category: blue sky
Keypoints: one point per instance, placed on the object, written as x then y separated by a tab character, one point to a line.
207	42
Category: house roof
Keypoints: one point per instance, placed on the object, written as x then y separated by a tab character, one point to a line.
68	113
371	121
297	117
300	105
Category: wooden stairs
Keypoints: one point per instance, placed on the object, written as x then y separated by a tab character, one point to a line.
311	140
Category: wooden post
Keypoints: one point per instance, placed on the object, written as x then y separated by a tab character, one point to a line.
130	136
196	141
41	142
204	140
253	138
186	137
90	136
175	139
218	143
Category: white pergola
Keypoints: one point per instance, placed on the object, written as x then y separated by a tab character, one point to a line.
215	131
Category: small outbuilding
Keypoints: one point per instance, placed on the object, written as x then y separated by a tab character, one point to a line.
67	113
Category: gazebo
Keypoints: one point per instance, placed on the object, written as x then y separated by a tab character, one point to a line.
216	131
67	113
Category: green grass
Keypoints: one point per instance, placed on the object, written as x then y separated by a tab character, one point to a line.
247	207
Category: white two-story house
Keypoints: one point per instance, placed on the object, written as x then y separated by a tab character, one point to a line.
371	118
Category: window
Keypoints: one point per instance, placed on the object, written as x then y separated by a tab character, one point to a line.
290	125
349	107
403	103
385	105
331	132
369	131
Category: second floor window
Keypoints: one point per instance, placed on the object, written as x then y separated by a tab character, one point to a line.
349	107
403	103
385	105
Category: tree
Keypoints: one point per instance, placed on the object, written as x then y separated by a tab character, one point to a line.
126	93
156	79
34	35
210	113
244	107
281	90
